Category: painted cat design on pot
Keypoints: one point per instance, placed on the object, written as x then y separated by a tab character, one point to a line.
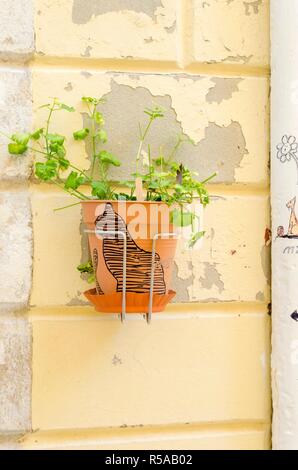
138	260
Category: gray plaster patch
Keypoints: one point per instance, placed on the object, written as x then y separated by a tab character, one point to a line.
87	52
180	286
260	296
252	7
211	278
243	59
77	302
116	361
221	150
86	74
223	89
68	87
172	28
15	374
84	10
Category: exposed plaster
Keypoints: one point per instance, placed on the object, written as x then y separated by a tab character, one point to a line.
84	10
171	29
68	87
211	278
116	361
76	301
136	75
221	150
260	296
87	52
223	89
86	74
252	7
182	285
243	59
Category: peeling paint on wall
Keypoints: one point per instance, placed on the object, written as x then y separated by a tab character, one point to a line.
83	10
211	278
68	87
87	52
221	150
260	296
223	89
180	285
86	74
252	7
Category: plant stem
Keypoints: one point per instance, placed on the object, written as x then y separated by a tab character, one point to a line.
209	178
179	142
48	124
66	207
93	141
142	139
67	190
81	194
6	135
46	155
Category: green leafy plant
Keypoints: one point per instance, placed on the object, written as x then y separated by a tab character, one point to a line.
163	178
87	268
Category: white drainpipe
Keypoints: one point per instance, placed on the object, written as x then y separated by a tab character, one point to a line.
284	180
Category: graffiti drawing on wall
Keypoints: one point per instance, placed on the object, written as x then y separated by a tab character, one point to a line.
292	231
294	316
286	151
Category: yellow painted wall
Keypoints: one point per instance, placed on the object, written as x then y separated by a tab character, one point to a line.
198	376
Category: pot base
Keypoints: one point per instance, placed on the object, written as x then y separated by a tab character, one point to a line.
135	303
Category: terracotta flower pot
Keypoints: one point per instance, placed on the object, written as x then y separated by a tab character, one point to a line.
135	224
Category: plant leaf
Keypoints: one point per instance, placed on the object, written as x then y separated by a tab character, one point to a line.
81	134
109	158
98	117
36	135
99	189
21	138
17	149
156	112
64	163
74	180
86	267
55	139
64	106
180	218
194	238
46	171
102	136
